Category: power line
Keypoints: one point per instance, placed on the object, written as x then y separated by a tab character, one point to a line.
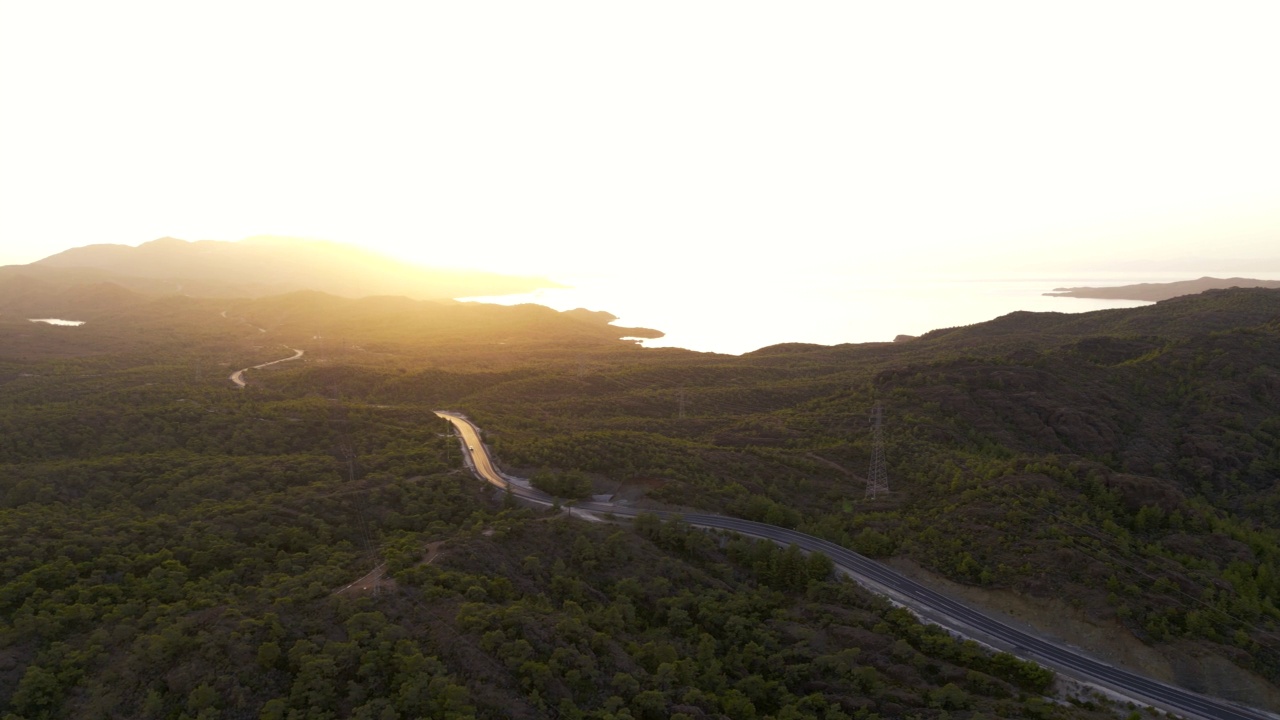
878	474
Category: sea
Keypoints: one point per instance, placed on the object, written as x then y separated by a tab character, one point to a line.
733	316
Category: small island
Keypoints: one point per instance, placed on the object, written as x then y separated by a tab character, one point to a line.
1155	292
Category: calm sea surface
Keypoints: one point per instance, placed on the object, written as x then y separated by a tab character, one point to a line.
731	316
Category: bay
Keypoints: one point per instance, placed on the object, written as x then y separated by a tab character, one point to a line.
734	316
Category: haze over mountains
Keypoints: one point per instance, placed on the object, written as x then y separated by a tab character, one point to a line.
255	267
296	290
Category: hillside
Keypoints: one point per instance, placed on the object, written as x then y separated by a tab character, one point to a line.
184	547
259	267
1124	459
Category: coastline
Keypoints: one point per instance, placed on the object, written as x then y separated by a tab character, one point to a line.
719	315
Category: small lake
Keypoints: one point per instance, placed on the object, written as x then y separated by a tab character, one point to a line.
58	321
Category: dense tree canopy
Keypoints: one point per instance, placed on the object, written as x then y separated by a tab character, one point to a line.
309	547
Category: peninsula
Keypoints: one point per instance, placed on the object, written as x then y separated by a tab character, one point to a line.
1161	291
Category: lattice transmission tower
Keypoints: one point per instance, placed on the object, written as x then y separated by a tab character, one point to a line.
877	475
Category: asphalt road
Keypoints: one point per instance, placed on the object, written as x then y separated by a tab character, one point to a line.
901	589
237	377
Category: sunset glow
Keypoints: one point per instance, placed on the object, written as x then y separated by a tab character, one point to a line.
675	359
748	163
575	139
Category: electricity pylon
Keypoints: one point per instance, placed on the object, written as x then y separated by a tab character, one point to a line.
877	475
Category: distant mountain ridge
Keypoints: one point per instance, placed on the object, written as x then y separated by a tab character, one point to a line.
259	267
1161	291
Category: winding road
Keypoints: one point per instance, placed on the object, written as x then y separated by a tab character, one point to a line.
931	605
237	377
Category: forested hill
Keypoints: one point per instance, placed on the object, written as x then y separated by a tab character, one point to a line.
1179	317
1125	459
260	267
181	548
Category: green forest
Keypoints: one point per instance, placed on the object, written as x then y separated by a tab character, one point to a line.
311	546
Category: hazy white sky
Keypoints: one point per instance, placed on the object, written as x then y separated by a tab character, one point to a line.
570	138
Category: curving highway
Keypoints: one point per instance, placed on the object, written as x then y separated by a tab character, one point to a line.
932	605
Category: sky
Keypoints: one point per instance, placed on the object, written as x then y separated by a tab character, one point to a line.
668	139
